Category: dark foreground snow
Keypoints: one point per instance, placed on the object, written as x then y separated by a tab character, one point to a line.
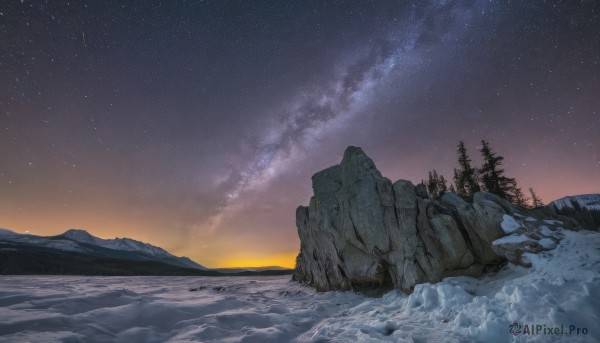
562	288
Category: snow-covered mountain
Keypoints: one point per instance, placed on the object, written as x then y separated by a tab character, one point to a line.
6	232
589	201
123	244
80	241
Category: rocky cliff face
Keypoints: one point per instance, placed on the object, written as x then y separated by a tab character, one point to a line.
360	231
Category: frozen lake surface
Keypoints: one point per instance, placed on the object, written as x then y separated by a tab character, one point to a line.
562	288
158	309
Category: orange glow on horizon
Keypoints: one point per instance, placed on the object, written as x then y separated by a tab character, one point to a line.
286	260
245	259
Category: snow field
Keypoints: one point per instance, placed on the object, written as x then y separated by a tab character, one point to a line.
561	288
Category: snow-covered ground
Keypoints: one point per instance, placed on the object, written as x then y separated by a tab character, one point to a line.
562	288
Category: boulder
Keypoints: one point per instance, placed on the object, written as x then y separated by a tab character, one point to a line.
362	232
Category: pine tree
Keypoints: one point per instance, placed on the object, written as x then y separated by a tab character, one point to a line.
518	198
490	171
452	189
460	185
535	201
442	185
436	185
432	183
465	178
493	179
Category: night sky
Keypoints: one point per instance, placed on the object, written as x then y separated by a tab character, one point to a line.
196	125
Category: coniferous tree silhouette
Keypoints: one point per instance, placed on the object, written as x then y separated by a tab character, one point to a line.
465	178
492	176
452	189
535	201
494	181
518	197
436	185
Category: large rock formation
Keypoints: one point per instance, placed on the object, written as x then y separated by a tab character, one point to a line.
360	231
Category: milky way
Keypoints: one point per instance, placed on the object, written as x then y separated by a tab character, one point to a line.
314	111
196	125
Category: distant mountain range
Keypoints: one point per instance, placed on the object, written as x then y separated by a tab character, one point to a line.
77	252
589	201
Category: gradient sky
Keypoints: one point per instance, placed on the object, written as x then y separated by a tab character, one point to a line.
196	125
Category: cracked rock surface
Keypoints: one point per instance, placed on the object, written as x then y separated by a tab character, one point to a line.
361	231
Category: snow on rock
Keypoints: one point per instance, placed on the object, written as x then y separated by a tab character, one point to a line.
526	234
544	230
512	239
547	243
561	288
509	224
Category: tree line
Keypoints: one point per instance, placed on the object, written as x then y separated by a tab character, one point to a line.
489	177
589	218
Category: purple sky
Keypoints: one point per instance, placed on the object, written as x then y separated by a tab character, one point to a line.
196	126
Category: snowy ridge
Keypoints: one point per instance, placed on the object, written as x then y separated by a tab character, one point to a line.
6	232
80	236
123	244
49	242
589	201
80	241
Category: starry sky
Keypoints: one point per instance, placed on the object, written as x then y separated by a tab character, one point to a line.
196	125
